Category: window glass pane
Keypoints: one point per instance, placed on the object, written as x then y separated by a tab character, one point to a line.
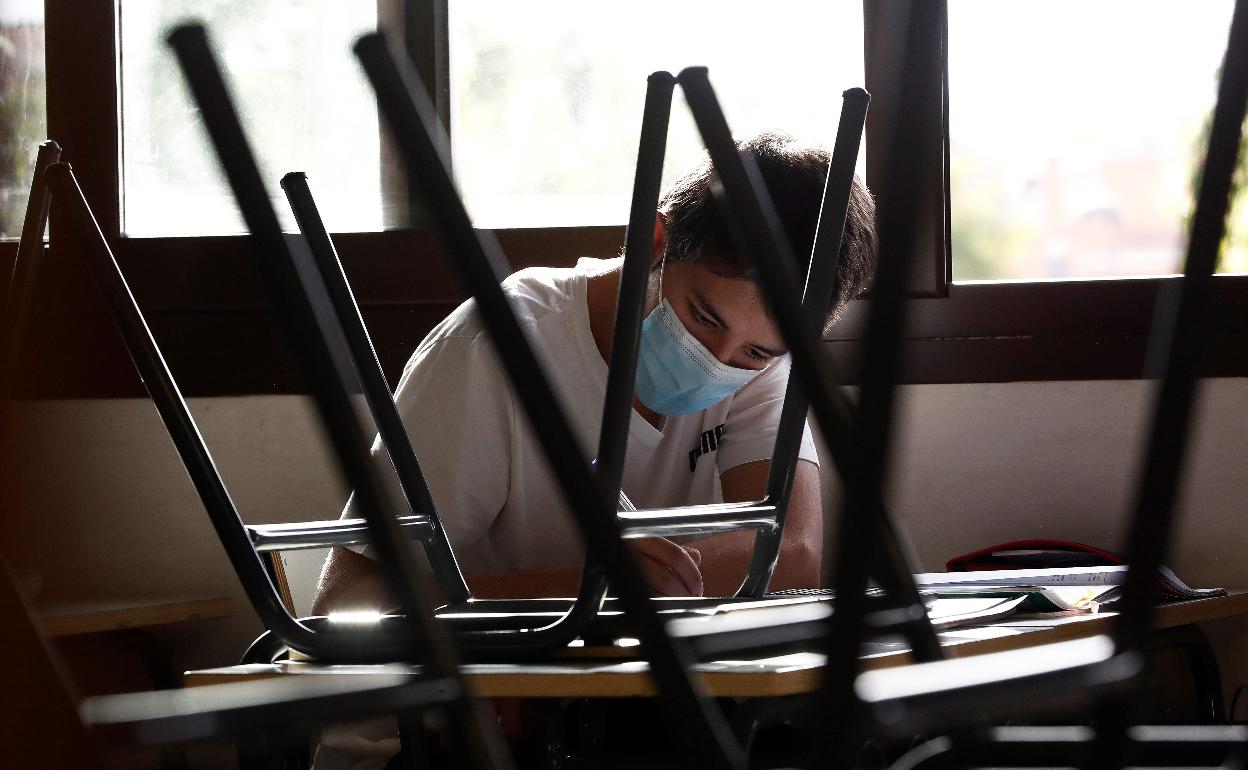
1076	131
546	104
303	99
23	119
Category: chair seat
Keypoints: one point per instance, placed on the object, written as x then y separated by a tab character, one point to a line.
325	534
221	710
712	626
915	699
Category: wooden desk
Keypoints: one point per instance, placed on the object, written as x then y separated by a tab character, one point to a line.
74	619
85	630
766	677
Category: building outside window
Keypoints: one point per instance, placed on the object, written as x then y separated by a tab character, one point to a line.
23	117
1076	134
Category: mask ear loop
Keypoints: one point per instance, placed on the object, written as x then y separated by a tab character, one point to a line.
662	266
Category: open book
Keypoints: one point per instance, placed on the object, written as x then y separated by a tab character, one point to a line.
1033	598
1081	589
973	598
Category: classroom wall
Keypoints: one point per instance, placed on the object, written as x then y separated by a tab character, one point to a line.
95	497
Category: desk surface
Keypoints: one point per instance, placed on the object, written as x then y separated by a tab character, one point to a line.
767	677
72	619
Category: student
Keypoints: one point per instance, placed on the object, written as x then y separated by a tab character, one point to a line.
712	371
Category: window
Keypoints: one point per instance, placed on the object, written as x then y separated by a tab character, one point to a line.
115	104
546	106
23	121
302	97
1074	147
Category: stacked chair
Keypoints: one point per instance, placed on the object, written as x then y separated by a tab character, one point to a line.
509	629
959	701
582	617
54	728
89	730
963	697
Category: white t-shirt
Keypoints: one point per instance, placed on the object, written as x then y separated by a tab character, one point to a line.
501	506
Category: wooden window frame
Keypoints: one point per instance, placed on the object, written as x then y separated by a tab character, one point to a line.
219	331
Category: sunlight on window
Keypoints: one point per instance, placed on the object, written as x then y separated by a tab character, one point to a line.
303	100
546	105
1076	133
23	119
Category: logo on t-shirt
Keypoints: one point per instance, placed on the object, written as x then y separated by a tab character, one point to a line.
707	443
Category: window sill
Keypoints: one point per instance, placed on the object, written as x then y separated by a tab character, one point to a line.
221	336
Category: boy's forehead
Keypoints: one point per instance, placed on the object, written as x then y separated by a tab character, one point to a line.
740	297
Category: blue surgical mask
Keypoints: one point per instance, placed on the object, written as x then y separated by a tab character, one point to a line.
676	374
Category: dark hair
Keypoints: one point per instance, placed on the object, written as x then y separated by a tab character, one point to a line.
795	175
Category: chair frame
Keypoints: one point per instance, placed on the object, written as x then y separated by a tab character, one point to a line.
428	642
406	107
419	638
854	704
418	135
56	728
20	288
767	516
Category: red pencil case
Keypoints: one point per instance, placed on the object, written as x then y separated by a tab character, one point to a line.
1034	554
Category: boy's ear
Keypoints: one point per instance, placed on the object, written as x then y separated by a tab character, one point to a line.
660	239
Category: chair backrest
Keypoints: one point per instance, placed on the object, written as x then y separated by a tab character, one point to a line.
922	699
1175	346
481	745
867	534
617	404
311	325
48	728
19	289
148	360
817	296
696	723
167	398
324	282
768	516
482	266
857	436
333	289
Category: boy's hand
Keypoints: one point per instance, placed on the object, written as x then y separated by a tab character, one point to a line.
669	569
